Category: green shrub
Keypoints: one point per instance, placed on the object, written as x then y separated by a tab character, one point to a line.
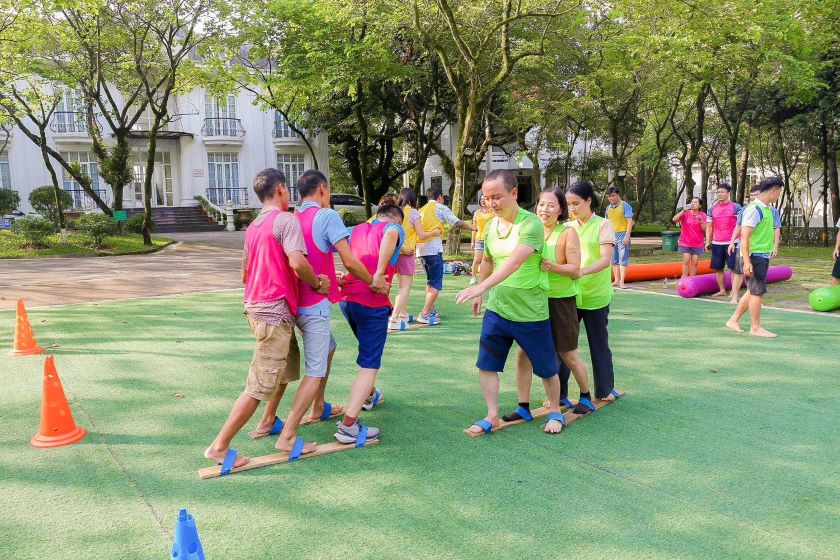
349	217
42	200
135	224
34	230
98	226
9	200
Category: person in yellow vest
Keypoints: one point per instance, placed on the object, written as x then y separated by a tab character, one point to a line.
597	240
757	246
387	198
480	219
414	232
434	215
561	261
620	215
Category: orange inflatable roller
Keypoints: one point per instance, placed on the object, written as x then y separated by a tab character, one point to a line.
658	271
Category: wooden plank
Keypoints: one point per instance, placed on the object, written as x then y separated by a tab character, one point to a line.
536	413
599	404
411	327
280	457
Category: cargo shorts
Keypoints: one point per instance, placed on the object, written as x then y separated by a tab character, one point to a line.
276	359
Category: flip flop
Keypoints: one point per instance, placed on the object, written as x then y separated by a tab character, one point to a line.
555	416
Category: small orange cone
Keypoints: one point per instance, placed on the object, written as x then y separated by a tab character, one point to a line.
24	344
57	425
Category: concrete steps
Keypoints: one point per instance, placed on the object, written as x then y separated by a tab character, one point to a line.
185	218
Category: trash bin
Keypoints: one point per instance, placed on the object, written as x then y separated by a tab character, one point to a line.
669	240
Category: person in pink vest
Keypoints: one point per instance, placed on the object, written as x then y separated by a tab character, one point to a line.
720	223
323	230
377	246
273	263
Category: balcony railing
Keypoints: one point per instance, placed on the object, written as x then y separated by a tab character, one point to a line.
81	199
70	122
221	196
283	130
223	127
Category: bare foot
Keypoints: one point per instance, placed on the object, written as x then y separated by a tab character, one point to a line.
337	409
475	429
734	301
609	398
763	333
553	427
734	326
263	428
219	457
622	286
719	294
286	445
615	283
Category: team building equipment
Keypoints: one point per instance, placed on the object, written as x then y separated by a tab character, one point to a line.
705	284
658	271
24	343
57	425
825	299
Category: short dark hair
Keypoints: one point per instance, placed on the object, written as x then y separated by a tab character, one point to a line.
770	182
755	188
435	194
309	182
585	189
407	198
698	199
561	200
725	186
507	178
387	198
391	210
613	190
267	181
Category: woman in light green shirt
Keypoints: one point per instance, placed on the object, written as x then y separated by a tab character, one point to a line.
561	261
597	239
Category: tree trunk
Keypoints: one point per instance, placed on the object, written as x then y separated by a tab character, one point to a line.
54	179
742	180
831	170
147	183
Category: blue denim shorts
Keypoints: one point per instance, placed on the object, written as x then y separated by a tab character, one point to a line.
535	339
433	265
370	325
621	252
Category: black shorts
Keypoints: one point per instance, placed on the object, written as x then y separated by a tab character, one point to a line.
721	258
835	273
565	323
739	264
757	283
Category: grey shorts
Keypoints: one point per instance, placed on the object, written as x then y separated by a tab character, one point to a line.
318	342
690	250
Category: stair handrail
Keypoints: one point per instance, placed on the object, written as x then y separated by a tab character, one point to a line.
222	215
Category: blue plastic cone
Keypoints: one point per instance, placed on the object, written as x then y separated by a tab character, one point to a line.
186	545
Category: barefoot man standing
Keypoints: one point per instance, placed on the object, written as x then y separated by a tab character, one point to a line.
517	307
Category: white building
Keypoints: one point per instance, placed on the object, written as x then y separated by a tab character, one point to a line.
212	148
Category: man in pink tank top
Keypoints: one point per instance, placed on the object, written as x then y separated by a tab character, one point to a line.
323	231
273	262
377	246
721	222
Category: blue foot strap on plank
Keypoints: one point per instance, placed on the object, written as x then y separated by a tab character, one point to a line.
327	411
376	396
227	464
297	449
587	403
362	437
484	425
277	427
556	416
524	413
566	402
615	393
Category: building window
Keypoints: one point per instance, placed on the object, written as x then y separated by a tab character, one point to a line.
220	116
292	166
5	174
223	179
436	182
798	217
90	167
163	188
69	114
282	128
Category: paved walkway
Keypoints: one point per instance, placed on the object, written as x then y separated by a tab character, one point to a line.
198	262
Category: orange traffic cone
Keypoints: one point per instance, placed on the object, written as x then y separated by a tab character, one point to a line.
24	344
57	425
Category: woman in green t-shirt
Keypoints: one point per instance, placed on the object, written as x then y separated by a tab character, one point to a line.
561	260
597	239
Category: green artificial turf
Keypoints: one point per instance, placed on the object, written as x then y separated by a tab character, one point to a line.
725	446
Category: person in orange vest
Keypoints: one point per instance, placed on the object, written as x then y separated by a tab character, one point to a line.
434	215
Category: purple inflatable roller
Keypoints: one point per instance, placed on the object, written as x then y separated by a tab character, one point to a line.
706	284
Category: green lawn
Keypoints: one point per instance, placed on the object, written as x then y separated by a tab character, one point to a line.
78	245
725	446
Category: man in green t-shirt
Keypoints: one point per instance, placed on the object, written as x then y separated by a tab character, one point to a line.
517	306
758	244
